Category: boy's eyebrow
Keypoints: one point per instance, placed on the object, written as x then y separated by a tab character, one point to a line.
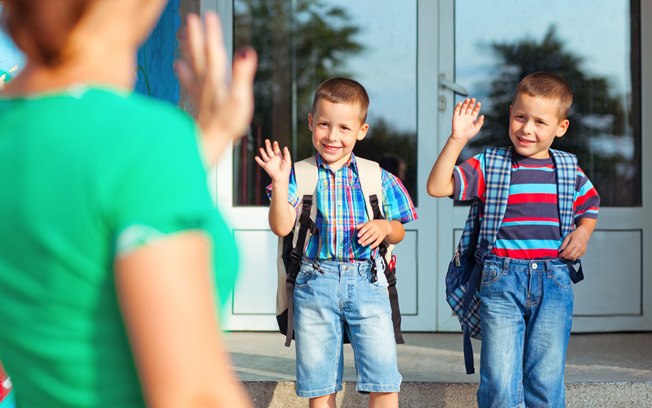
524	112
318	119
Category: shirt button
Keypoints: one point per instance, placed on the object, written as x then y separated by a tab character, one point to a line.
534	265
339	203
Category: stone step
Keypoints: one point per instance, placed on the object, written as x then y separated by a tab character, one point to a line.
609	370
280	394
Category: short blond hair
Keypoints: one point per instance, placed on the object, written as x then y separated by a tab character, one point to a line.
549	86
343	90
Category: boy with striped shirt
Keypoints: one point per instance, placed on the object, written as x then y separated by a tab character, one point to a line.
526	299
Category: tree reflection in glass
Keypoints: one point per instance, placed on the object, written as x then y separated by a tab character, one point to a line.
605	118
302	42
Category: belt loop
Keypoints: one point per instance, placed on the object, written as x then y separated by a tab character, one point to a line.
370	265
505	264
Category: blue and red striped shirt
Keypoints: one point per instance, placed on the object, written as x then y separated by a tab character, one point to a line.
530	227
341	206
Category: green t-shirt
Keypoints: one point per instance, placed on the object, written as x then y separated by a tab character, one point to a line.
87	174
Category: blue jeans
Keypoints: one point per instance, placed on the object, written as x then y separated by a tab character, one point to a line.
526	309
330	297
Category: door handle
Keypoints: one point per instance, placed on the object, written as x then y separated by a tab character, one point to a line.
445	83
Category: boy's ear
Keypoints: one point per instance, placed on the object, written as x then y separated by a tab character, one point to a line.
363	131
310	121
562	128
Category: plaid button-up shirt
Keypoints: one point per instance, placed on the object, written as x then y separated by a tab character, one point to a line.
341	206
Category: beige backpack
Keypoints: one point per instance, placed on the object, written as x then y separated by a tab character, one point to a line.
292	247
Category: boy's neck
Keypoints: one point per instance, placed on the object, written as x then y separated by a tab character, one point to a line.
335	166
518	156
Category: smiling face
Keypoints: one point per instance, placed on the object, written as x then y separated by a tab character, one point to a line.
534	123
335	128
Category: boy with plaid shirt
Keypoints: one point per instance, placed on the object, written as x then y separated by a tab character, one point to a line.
335	289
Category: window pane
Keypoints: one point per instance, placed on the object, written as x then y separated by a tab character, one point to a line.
594	45
301	43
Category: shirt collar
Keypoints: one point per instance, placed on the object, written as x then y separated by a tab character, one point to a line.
351	162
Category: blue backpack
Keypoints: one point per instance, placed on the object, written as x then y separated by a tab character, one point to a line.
465	269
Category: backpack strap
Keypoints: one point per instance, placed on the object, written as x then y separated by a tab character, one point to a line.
306	175
482	235
566	169
497	174
370	176
371	182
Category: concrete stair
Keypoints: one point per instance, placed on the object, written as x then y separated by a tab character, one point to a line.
602	370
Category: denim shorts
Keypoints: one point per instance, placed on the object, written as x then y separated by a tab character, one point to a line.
330	297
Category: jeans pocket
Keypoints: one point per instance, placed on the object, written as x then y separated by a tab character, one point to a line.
304	276
381	280
491	273
561	277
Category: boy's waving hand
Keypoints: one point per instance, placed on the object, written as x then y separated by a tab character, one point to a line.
466	123
276	164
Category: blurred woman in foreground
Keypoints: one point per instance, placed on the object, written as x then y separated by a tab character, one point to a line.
113	260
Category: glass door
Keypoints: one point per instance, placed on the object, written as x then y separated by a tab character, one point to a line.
599	47
390	48
413	57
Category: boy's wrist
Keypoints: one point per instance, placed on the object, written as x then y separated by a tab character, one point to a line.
388	227
582	229
280	183
457	140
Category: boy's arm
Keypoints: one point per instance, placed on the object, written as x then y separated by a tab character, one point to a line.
282	214
574	244
441	181
466	124
278	165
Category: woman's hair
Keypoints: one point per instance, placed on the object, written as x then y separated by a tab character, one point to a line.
41	27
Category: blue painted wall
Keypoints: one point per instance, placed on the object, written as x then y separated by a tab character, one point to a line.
156	57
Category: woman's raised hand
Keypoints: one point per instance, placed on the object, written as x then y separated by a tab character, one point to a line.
223	109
